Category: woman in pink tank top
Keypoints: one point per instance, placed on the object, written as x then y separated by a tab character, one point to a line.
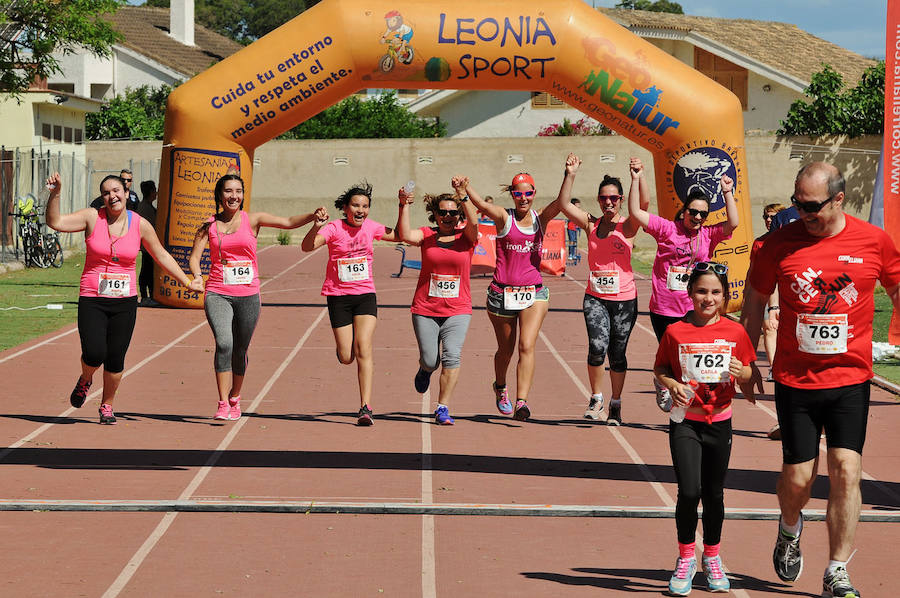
517	300
107	302
232	303
610	298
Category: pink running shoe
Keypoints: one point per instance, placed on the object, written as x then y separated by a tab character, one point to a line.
502	397
106	414
234	411
222	411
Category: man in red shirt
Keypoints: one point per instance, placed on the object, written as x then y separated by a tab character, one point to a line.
826	265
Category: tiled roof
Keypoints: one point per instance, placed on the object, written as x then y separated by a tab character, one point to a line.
782	46
146	31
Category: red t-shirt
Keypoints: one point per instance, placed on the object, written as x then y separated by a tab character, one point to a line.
684	344
443	288
826	296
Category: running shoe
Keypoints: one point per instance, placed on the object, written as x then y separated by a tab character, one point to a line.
595	406
663	398
836	584
716	580
442	416
522	411
503	404
222	410
422	380
234	408
80	392
106	414
683	578
365	416
615	414
787	557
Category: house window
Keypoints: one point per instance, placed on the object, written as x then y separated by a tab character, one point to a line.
542	99
67	134
46	131
57	132
78	136
727	74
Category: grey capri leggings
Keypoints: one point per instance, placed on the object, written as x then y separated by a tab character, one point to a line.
609	325
446	334
232	320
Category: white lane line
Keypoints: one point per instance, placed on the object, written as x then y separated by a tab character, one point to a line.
40	344
429	576
138	558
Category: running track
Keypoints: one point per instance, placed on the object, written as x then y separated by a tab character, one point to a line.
299	446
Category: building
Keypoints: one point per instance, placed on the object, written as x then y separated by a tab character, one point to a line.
766	64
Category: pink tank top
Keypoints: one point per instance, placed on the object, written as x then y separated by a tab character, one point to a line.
233	268
109	261
609	260
519	253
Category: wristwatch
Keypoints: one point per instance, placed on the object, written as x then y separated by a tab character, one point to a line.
464	199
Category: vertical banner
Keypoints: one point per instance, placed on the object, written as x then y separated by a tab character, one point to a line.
891	149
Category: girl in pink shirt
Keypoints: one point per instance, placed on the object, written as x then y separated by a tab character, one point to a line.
349	287
232	303
517	300
442	304
107	302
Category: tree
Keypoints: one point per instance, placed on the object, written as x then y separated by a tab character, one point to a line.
657	6
32	30
582	127
139	114
376	118
834	110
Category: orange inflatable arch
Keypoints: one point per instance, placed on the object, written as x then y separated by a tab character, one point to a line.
692	125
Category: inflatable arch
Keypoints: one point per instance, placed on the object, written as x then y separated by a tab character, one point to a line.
692	126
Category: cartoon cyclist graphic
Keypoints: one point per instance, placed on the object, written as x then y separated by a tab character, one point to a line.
397	37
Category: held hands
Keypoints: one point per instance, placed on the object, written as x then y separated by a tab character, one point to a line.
572	164
54	183
321	215
196	284
459	184
636	168
726	183
404	197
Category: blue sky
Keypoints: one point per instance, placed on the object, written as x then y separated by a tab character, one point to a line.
857	25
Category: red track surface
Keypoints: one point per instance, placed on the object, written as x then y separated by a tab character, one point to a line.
300	443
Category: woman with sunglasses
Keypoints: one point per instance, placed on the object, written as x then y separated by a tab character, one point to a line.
442	304
517	300
610	298
107	299
711	352
349	287
232	302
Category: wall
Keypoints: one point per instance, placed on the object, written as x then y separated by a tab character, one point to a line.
479	113
296	176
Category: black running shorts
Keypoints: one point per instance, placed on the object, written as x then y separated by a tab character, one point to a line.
342	308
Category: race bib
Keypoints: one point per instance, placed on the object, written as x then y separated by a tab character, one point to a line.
705	362
445	286
352	269
677	278
605	282
238	272
113	285
822	333
518	298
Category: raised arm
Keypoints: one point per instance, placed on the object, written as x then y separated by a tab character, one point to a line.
201	238
638	197
731	212
162	257
65	223
404	232
570	210
492	211
313	240
470	232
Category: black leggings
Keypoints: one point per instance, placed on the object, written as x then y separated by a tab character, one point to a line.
105	326
661	322
145	278
609	325
700	454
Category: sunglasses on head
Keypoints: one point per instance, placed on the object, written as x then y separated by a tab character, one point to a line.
609	197
448	212
701	213
810	207
521	194
714	266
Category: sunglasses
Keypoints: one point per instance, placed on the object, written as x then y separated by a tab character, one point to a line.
521	194
609	197
448	212
127	180
810	207
701	213
714	266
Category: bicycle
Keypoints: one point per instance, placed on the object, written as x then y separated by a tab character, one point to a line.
39	249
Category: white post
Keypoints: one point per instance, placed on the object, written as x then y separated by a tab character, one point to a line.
181	21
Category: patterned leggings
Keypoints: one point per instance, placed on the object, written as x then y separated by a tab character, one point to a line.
609	325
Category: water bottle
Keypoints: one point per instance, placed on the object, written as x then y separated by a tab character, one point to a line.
678	411
409	187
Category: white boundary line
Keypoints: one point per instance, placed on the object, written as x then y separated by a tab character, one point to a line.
138	558
40	344
429	565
